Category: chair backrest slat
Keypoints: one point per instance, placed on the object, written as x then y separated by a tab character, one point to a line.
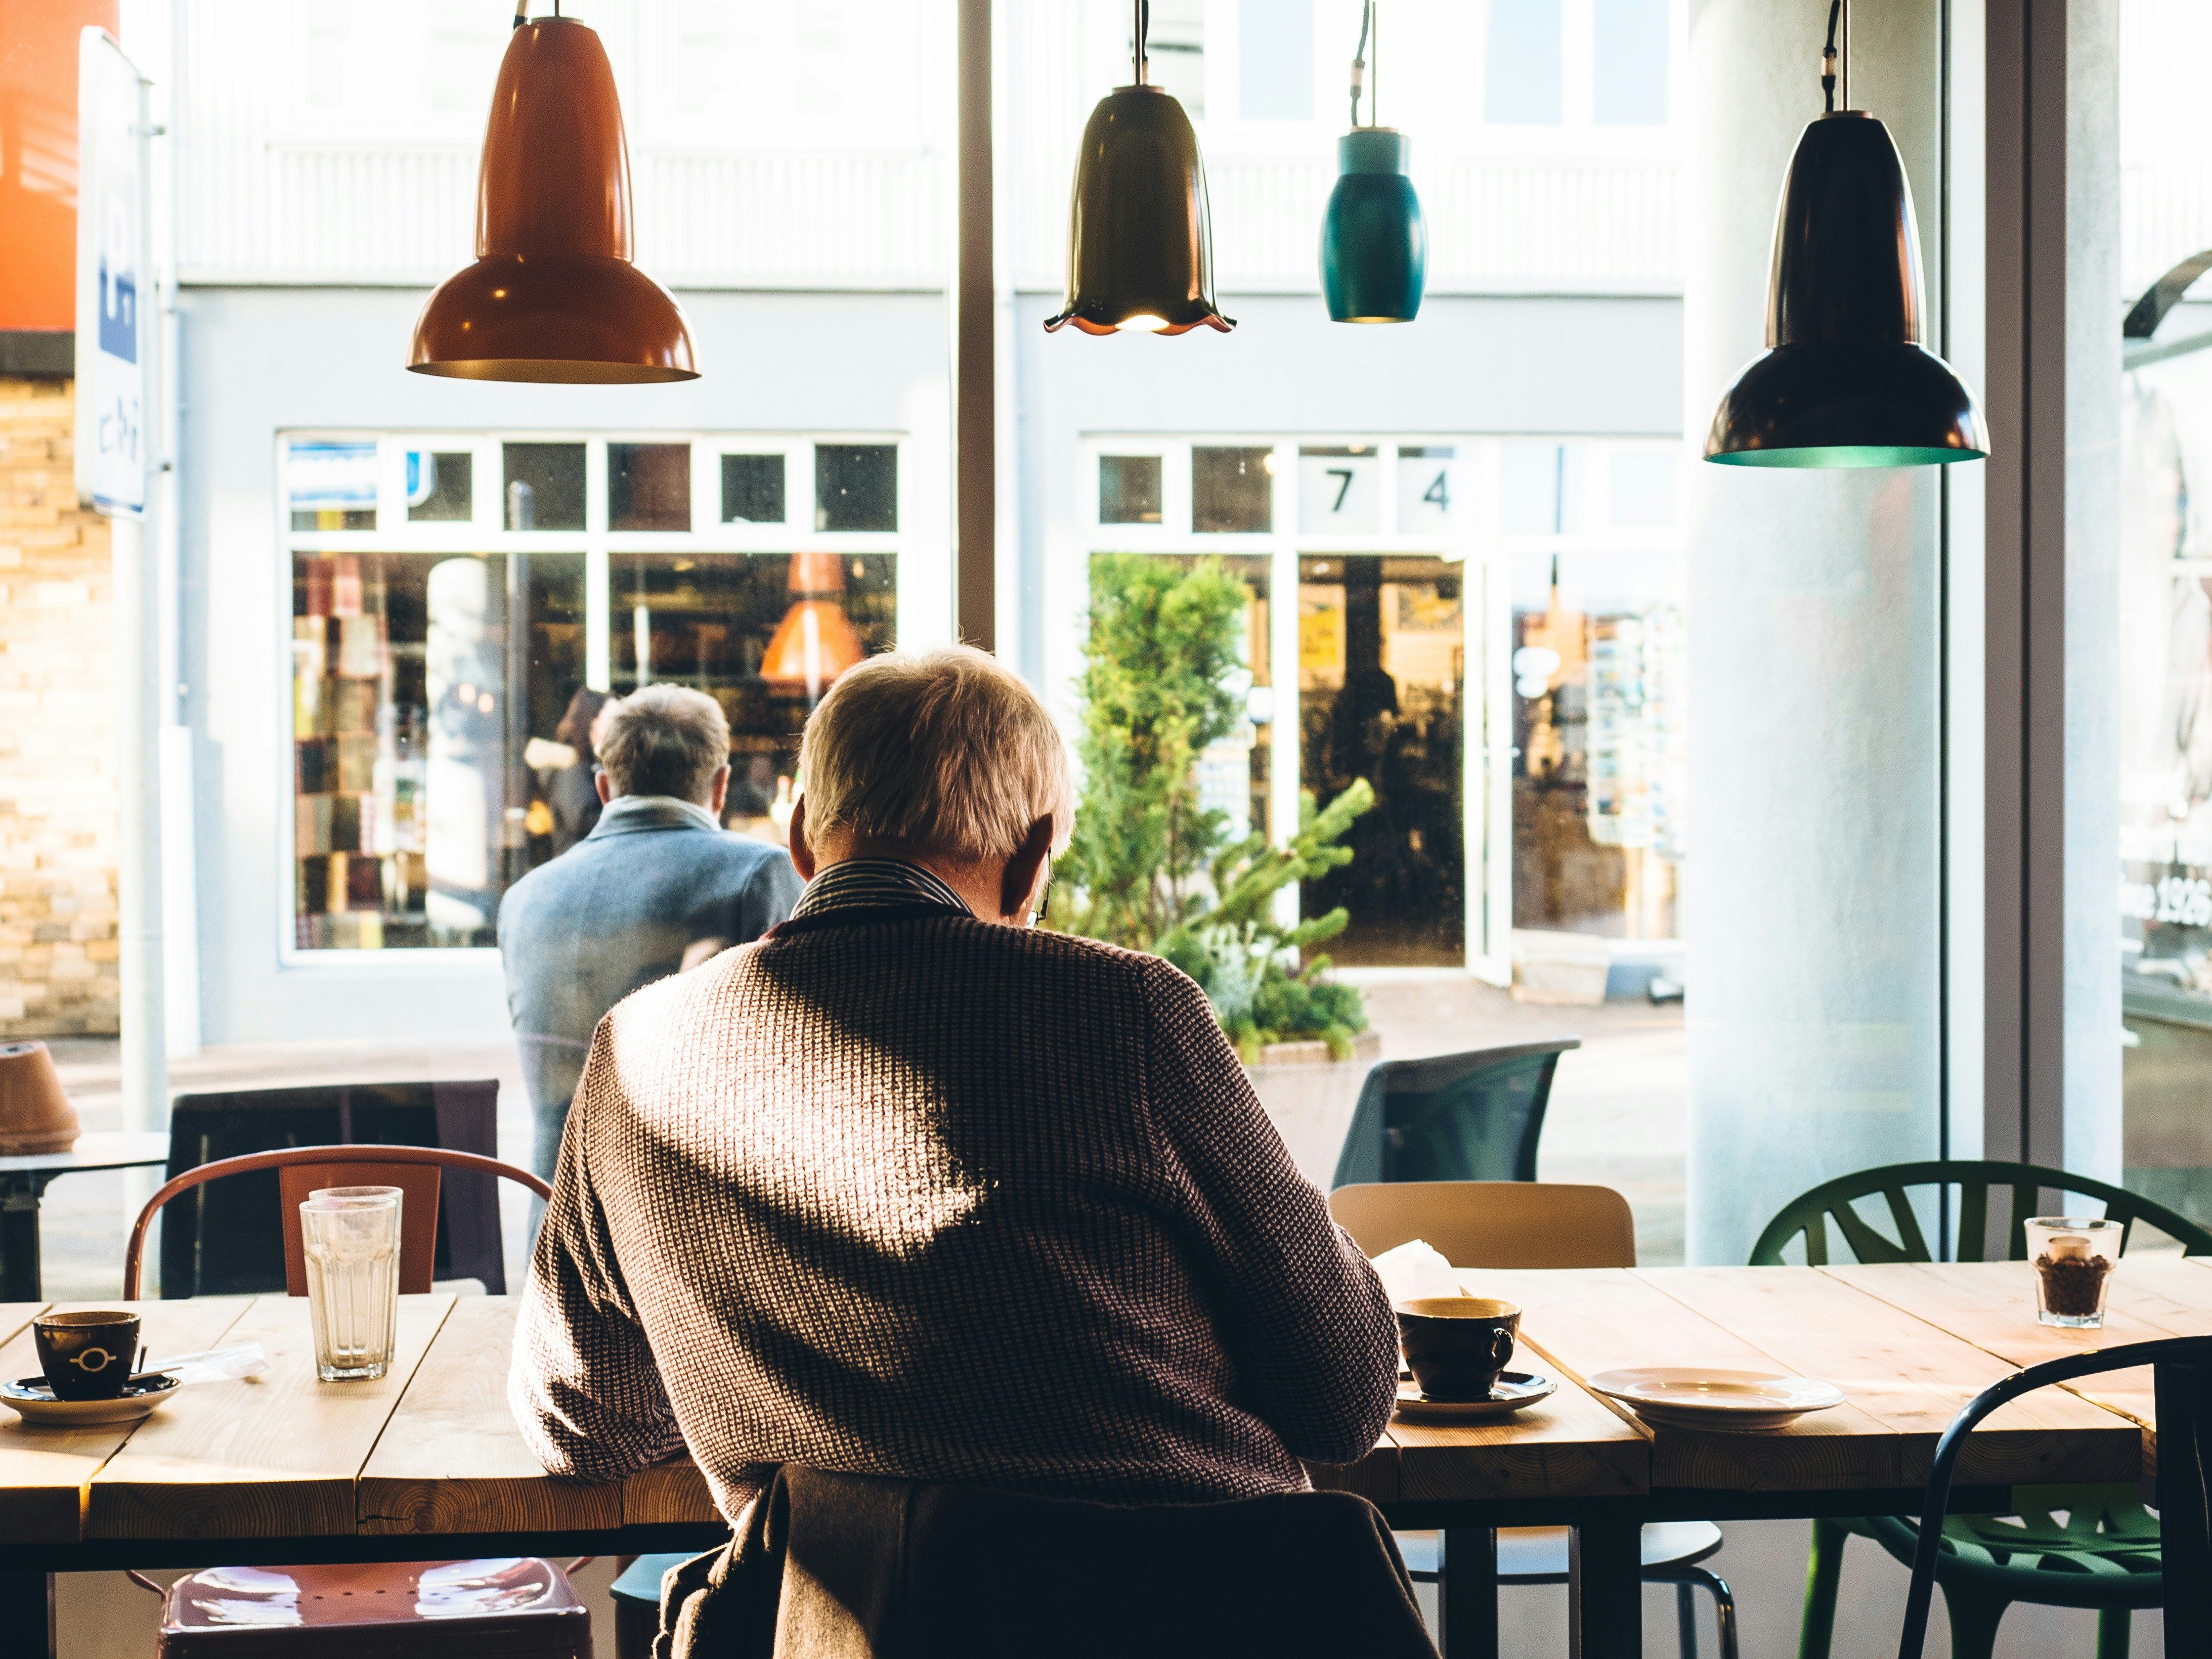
1493	1224
1805	1216
333	1166
419	1215
1972	1243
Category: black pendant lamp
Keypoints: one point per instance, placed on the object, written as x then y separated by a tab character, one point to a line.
1845	381
1140	241
1374	242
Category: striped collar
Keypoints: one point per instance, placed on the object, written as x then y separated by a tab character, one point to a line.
857	883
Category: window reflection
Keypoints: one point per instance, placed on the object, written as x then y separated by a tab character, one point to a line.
1129	489
1232	490
856	487
764	634
1382	671
414	700
544	486
648	486
440	486
752	489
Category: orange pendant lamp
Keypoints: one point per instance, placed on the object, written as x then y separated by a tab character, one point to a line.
553	295
816	641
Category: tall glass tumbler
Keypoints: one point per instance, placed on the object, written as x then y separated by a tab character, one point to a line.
351	1235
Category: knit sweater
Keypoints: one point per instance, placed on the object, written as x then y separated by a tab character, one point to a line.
898	1192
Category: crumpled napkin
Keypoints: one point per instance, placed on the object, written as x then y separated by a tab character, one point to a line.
1415	1269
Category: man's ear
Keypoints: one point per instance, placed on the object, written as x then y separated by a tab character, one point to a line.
802	855
718	792
604	785
1023	871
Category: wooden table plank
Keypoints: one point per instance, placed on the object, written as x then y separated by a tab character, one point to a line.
1908	1376
43	1471
1572	1445
1993	1305
451	1458
673	1491
1590	1320
275	1457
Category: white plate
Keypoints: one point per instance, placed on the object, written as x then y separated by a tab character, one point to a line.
1514	1390
35	1402
1681	1397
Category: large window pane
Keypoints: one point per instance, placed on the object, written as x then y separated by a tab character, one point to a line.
1629	44
1275	60
418	684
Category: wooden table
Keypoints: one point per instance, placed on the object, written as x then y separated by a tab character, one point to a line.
426	1462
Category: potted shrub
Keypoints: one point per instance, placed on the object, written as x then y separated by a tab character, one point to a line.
1151	869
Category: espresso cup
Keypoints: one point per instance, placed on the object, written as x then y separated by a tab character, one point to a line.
86	1356
1457	1345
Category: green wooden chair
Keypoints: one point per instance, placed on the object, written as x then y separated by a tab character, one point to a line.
2103	1555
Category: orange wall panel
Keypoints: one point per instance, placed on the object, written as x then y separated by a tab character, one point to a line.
38	157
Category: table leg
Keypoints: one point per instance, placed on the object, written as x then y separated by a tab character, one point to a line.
26	1603
1467	1592
2184	1462
1605	1590
19	1238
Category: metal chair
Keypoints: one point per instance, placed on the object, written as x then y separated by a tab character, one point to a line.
522	1608
2184	1394
2106	1554
1475	1116
225	1242
1532	1223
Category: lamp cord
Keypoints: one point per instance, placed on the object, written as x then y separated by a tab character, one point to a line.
1144	26
1367	26
1828	59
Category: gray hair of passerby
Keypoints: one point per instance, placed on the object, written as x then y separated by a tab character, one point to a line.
663	740
945	750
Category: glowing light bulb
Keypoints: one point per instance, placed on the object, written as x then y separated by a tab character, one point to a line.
1143	323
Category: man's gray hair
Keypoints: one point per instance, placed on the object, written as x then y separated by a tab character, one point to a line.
663	740
945	749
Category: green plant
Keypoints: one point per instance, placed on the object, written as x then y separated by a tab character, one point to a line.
1149	867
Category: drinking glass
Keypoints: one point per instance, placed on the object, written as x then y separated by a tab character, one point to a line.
351	1237
2074	1258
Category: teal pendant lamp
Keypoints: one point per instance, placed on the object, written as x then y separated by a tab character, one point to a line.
1374	242
1845	381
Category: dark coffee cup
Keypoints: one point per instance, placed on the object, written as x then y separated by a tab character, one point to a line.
86	1356
1457	1345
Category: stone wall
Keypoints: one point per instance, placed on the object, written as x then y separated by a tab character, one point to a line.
58	832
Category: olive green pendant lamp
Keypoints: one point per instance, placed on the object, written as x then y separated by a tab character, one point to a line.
1140	241
1845	381
1374	242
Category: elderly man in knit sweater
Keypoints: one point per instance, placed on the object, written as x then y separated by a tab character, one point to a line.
912	1187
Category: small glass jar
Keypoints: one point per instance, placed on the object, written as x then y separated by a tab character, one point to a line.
2074	1258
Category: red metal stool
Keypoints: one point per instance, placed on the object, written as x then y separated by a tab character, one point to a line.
508	1607
514	1608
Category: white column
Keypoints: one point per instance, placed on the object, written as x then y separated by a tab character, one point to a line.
1813	909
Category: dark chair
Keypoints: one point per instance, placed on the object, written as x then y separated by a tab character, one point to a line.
517	1609
2106	1554
1474	1116
859	1565
227	1241
636	1593
2184	1393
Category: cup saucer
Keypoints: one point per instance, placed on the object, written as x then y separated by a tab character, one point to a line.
1516	1390
32	1400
